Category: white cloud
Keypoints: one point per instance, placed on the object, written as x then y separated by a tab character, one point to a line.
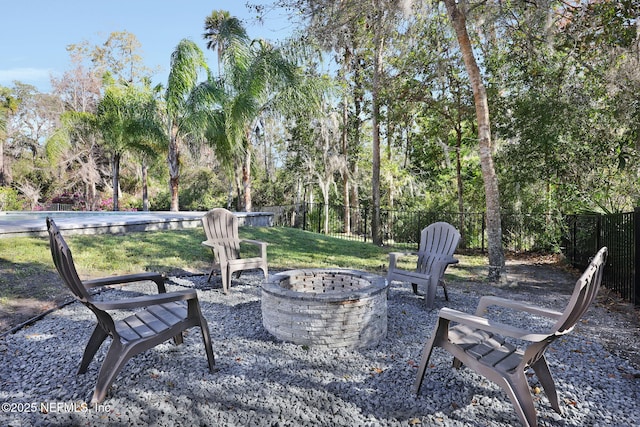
25	75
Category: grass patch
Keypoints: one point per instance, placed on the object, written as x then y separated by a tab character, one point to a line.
178	252
27	274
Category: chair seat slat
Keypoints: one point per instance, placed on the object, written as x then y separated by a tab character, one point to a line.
170	313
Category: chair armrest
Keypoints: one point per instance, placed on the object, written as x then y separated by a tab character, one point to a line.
210	244
488	301
484	324
253	242
395	256
129	278
147	300
262	245
449	260
401	254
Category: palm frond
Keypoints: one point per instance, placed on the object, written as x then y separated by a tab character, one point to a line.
187	62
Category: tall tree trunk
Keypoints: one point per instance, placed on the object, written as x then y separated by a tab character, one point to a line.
460	185
174	169
376	226
345	174
115	171
494	228
3	180
358	95
238	184
325	187
246	178
145	186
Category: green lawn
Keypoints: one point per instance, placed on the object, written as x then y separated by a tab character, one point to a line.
27	271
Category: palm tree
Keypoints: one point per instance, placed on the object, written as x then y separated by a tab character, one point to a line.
256	79
127	116
190	106
221	31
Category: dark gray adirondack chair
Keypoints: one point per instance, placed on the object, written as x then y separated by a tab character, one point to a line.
221	229
438	242
480	343
159	318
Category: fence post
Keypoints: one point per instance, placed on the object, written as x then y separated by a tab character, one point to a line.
320	210
636	255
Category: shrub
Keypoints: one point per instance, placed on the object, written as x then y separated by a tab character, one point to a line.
10	200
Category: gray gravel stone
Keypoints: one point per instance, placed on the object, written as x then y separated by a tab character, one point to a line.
264	382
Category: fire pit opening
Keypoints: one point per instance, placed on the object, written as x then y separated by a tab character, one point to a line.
326	308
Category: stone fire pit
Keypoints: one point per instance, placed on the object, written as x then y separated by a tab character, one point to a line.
326	307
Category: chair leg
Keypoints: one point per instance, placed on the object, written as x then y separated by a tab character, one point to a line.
457	363
226	278
415	288
116	358
444	286
97	338
430	295
426	355
206	339
213	267
517	388
541	368
178	339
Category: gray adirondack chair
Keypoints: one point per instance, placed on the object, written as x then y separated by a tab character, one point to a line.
438	242
158	317
481	344
221	229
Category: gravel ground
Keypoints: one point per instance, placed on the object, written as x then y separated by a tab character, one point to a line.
263	382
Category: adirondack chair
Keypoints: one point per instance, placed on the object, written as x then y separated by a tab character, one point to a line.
158	317
438	242
221	229
480	343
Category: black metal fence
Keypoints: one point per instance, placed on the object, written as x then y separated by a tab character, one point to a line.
620	233
402	228
578	236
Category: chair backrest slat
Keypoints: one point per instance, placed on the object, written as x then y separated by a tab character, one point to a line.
63	260
437	241
221	226
584	293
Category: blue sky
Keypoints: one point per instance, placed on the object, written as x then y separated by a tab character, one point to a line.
35	33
